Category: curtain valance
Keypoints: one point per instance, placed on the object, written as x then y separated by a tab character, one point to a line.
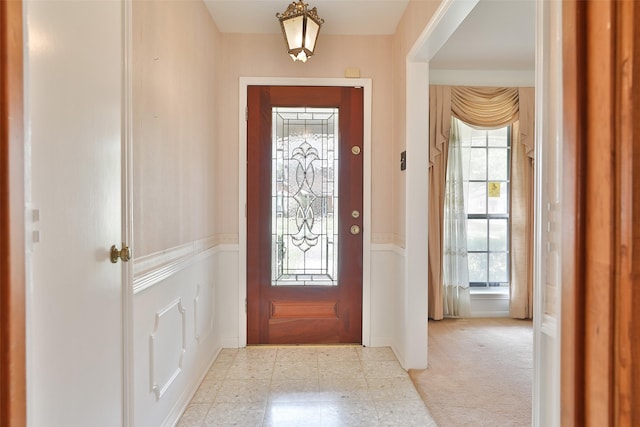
487	107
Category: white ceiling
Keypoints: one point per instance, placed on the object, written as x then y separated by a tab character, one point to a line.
497	34
347	17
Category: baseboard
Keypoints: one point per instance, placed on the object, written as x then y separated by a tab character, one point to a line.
489	314
232	342
183	403
381	342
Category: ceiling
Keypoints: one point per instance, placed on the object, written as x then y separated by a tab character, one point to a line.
496	35
345	17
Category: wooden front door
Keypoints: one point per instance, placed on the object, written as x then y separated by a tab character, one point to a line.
304	214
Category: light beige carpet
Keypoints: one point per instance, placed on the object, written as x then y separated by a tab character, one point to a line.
479	372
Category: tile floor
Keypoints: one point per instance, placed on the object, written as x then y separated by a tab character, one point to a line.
307	386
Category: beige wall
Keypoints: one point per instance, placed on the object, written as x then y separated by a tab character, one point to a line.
413	22
185	130
249	55
176	47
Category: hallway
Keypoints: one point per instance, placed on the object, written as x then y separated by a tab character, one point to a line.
306	385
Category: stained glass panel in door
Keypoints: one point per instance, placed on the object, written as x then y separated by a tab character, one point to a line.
304	197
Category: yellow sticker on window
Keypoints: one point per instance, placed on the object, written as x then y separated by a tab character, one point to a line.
494	189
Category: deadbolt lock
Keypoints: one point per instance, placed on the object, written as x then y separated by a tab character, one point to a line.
355	150
355	214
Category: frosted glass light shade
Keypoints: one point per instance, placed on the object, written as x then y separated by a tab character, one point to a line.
300	27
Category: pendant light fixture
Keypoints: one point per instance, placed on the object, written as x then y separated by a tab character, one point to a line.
300	27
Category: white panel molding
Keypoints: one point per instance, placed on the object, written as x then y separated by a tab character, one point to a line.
387	247
190	391
196	334
157	389
199	307
151	269
384	238
212	301
387	276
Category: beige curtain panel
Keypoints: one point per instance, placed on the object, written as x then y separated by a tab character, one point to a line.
439	131
488	108
522	152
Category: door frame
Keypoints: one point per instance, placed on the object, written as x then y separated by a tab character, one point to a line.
12	195
442	25
128	404
242	192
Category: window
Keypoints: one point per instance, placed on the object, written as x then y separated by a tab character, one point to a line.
486	156
304	231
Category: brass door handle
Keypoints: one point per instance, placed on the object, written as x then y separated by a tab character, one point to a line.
124	254
355	229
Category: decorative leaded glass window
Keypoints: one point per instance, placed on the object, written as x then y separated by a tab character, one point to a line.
304	205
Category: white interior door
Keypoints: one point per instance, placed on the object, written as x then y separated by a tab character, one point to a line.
73	79
547	275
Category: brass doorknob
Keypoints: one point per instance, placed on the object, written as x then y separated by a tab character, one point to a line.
124	254
355	229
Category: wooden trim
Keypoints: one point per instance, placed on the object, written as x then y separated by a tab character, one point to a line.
600	379
572	332
12	276
599	207
626	403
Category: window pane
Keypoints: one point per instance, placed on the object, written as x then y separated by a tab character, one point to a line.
499	137
498	235
498	164
478	138
499	205
478	267
304	197
465	133
477	198
478	164
486	175
498	267
477	235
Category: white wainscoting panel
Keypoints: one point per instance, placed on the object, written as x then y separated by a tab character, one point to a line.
229	296
387	277
173	312
152	269
203	309
167	346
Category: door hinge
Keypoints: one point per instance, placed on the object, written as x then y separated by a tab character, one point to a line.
246	114
245	305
